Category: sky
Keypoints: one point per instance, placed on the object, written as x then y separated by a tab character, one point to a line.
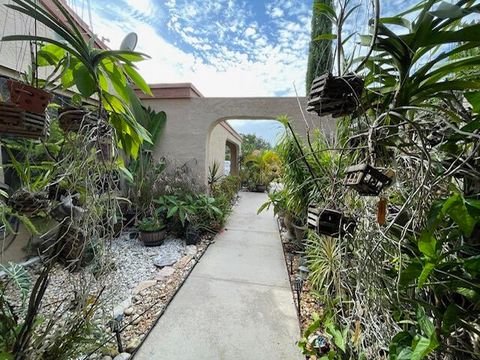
224	47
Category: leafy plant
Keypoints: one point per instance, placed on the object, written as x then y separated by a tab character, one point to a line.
91	70
150	224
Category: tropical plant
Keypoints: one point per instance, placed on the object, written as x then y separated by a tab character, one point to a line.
320	57
150	224
144	173
91	70
323	255
263	167
252	142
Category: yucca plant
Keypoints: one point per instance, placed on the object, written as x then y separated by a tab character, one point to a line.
324	263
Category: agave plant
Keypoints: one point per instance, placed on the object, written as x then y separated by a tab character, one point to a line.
91	70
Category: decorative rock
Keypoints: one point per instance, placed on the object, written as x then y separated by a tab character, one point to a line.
132	345
143	285
171	251
122	356
183	262
164	273
128	311
137	320
107	357
191	250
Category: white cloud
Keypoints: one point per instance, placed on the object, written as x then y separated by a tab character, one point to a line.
245	63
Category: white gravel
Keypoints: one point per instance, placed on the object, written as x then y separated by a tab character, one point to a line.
134	263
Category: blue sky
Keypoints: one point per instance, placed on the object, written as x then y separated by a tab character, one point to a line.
223	47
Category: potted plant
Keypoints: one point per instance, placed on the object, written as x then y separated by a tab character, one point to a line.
93	71
152	231
31	197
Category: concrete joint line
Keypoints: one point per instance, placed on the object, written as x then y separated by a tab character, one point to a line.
245	282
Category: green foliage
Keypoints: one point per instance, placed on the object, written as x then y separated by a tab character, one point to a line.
323	258
262	167
150	224
251	142
320	57
91	71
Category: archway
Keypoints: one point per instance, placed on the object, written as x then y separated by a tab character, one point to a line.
191	119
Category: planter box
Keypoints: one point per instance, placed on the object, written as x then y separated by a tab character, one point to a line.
71	119
329	222
71	243
27	97
367	180
15	121
28	203
192	236
153	238
335	95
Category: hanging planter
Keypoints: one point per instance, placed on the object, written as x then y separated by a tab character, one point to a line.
71	242
335	95
15	121
72	119
367	180
27	97
329	222
27	202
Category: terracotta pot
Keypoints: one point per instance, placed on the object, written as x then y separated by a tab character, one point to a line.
153	238
28	97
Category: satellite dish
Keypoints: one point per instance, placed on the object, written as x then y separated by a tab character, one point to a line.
129	42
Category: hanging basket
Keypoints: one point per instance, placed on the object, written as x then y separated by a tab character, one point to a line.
71	243
329	222
367	180
27	97
72	119
15	121
335	95
28	203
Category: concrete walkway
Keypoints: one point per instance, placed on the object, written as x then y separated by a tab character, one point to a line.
237	302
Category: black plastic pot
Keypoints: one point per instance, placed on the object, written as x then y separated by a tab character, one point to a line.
192	236
260	188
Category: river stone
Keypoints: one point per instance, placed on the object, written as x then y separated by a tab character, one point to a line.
128	311
143	285
191	250
164	273
170	252
122	356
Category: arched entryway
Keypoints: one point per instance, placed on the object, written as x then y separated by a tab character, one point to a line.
191	118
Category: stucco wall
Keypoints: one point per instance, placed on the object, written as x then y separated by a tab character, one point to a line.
190	123
217	146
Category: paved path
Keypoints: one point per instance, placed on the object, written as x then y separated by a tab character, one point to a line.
237	302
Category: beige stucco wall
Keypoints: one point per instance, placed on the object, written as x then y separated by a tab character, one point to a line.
190	122
217	145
